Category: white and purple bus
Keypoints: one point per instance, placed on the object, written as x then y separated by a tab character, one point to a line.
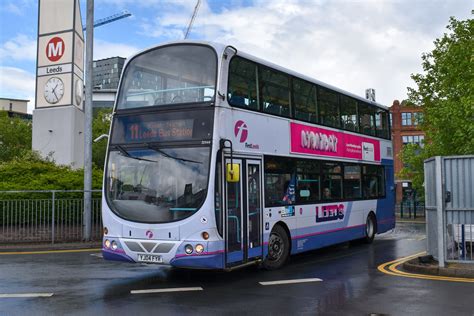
217	159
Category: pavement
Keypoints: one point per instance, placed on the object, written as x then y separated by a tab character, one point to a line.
425	265
29	247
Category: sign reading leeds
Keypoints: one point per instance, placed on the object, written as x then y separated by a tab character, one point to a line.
55	49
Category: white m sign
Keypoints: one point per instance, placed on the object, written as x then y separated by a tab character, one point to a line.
55	49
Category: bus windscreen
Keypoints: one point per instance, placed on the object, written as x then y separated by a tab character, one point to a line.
175	74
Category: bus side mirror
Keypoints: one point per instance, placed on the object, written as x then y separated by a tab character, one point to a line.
232	172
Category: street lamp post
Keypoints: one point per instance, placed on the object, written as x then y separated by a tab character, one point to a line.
88	122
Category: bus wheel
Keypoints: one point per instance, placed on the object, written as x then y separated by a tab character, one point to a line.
278	249
370	228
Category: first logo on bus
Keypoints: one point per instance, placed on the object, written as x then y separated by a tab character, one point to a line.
240	131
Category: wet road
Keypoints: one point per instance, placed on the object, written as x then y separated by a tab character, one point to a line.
83	284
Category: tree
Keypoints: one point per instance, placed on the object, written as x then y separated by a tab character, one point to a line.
100	125
15	137
445	91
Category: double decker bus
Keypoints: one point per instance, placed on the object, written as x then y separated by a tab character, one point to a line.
218	159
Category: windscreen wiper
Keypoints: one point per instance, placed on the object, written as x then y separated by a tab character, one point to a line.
125	153
155	148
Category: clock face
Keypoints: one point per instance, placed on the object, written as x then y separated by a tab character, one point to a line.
54	90
79	92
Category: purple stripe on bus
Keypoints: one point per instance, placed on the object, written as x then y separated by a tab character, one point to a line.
200	254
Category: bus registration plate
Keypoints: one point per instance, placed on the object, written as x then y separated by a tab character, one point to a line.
149	258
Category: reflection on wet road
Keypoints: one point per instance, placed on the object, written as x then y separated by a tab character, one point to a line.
338	280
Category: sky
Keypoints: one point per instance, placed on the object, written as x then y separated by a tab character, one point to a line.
350	44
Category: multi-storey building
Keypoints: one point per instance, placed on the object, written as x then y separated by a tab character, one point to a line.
405	121
106	72
106	77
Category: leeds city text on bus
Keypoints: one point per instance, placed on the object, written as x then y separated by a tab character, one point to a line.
218	159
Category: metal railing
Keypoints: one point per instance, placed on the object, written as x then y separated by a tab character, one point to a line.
410	209
449	187
47	216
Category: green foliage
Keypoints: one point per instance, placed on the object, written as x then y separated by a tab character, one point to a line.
15	137
446	93
23	169
100	125
31	172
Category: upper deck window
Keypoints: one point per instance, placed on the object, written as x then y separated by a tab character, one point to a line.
168	75
367	118
242	90
349	113
329	107
274	91
305	101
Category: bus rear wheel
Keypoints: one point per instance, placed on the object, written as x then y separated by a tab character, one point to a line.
370	228
278	249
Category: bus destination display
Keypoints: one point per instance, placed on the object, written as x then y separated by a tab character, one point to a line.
163	127
159	131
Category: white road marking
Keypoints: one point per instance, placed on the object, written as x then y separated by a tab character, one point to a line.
291	281
98	255
175	289
19	295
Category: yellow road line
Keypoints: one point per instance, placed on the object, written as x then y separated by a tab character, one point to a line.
48	251
393	265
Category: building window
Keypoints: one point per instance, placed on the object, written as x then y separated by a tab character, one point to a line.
406	119
414	139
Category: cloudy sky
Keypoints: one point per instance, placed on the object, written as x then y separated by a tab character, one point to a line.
350	44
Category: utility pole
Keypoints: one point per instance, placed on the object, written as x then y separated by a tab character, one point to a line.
88	122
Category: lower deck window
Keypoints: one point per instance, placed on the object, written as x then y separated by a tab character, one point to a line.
291	181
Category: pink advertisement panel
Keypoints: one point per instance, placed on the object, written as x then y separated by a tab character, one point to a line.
319	141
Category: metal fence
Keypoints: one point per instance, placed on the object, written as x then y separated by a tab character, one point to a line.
47	216
449	193
410	209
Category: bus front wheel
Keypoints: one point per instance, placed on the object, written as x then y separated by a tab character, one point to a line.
370	228
278	249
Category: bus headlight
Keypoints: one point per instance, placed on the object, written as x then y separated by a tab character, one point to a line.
107	243
188	249
199	248
114	245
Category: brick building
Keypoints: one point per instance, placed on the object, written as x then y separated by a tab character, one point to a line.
405	120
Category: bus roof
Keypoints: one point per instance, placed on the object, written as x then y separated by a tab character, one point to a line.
221	47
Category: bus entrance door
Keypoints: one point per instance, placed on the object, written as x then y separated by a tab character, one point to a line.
244	212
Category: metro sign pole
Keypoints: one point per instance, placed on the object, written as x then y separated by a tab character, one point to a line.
58	117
